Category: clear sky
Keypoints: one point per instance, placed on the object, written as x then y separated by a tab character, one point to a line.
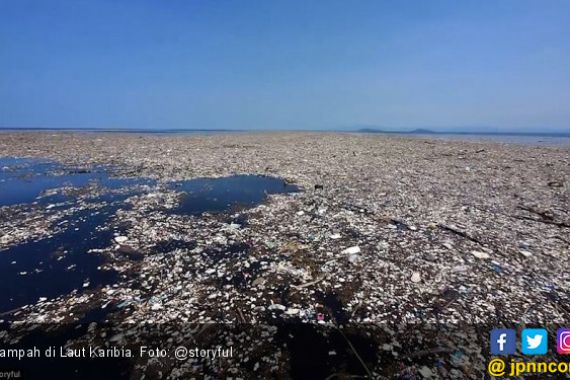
288	64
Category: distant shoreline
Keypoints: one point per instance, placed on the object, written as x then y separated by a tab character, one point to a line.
113	130
363	130
430	132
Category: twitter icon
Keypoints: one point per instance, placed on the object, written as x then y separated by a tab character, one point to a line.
534	341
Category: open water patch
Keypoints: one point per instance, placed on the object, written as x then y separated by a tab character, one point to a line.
84	201
59	263
223	194
32	180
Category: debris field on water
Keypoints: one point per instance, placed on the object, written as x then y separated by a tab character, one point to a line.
382	231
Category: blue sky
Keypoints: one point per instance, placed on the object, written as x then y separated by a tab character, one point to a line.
497	65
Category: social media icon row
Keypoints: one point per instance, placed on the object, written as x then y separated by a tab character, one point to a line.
533	341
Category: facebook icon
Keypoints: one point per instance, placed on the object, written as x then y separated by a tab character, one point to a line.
503	341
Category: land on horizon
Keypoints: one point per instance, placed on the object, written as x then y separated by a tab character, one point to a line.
426	131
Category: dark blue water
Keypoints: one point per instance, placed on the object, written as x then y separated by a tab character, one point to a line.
23	180
60	264
227	193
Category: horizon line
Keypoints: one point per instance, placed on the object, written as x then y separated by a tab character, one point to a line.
362	129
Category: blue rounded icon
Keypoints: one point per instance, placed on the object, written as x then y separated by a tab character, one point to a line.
503	341
534	341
